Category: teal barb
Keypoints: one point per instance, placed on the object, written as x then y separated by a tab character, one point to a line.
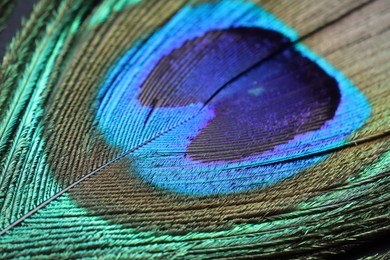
181	129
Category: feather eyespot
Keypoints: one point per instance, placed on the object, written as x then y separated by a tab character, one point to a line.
228	94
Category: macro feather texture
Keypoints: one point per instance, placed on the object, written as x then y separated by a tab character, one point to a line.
195	129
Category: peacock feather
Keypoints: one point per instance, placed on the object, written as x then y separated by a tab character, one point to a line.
195	129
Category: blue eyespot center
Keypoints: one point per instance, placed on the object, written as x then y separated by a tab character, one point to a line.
233	103
297	96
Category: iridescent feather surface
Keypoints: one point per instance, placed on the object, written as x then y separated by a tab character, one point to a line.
195	129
